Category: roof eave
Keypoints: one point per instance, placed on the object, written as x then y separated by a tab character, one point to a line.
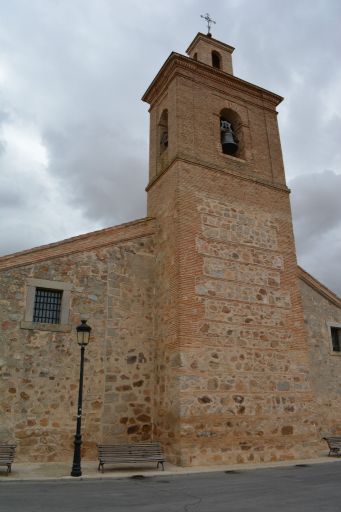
148	95
210	40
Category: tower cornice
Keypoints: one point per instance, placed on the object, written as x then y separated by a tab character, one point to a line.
209	40
178	64
244	175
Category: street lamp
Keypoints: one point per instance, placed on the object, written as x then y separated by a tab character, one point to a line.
83	336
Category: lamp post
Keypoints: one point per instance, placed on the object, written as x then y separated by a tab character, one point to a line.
83	336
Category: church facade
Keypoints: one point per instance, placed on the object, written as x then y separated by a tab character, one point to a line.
206	335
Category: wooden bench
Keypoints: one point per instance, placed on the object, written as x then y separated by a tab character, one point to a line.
334	444
128	453
7	452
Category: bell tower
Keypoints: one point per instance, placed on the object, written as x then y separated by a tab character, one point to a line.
231	363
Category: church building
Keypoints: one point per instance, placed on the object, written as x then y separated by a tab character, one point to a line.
206	335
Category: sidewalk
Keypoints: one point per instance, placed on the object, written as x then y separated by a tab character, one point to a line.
61	470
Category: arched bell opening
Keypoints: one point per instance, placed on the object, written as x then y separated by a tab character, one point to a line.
216	59
231	133
163	131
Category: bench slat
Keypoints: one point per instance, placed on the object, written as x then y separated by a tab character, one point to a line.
7	453
130	453
334	445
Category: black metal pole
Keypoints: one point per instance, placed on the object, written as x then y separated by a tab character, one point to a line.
76	466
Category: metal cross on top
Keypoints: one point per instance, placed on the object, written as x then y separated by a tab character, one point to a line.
209	21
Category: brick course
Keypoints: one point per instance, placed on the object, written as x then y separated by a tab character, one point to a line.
234	311
199	332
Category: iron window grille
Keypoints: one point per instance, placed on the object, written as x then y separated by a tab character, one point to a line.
47	306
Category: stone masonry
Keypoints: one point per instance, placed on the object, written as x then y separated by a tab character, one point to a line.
322	308
113	286
235	373
206	334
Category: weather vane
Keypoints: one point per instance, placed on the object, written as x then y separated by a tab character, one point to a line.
209	21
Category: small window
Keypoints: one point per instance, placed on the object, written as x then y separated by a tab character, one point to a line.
195	56
336	338
47	306
163	131
216	60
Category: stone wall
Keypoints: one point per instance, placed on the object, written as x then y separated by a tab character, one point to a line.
233	356
244	368
114	287
319	310
198	326
232	350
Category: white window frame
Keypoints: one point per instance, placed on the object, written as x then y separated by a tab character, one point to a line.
31	285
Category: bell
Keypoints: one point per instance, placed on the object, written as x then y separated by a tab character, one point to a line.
228	141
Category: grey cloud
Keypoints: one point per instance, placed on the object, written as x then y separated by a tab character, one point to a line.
316	208
77	71
11	200
292	50
2	147
112	191
316	203
4	116
325	264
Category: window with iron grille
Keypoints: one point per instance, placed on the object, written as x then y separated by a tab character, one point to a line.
47	306
336	338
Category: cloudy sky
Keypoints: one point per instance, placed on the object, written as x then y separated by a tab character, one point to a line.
74	133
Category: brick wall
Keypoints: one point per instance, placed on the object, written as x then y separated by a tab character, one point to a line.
232	341
202	46
199	336
163	203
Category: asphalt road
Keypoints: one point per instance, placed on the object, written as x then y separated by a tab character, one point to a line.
315	488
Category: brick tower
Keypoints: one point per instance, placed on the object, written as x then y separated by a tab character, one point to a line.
231	363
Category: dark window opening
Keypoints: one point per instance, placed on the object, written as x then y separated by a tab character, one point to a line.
195	56
47	306
163	131
216	60
231	133
336	338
